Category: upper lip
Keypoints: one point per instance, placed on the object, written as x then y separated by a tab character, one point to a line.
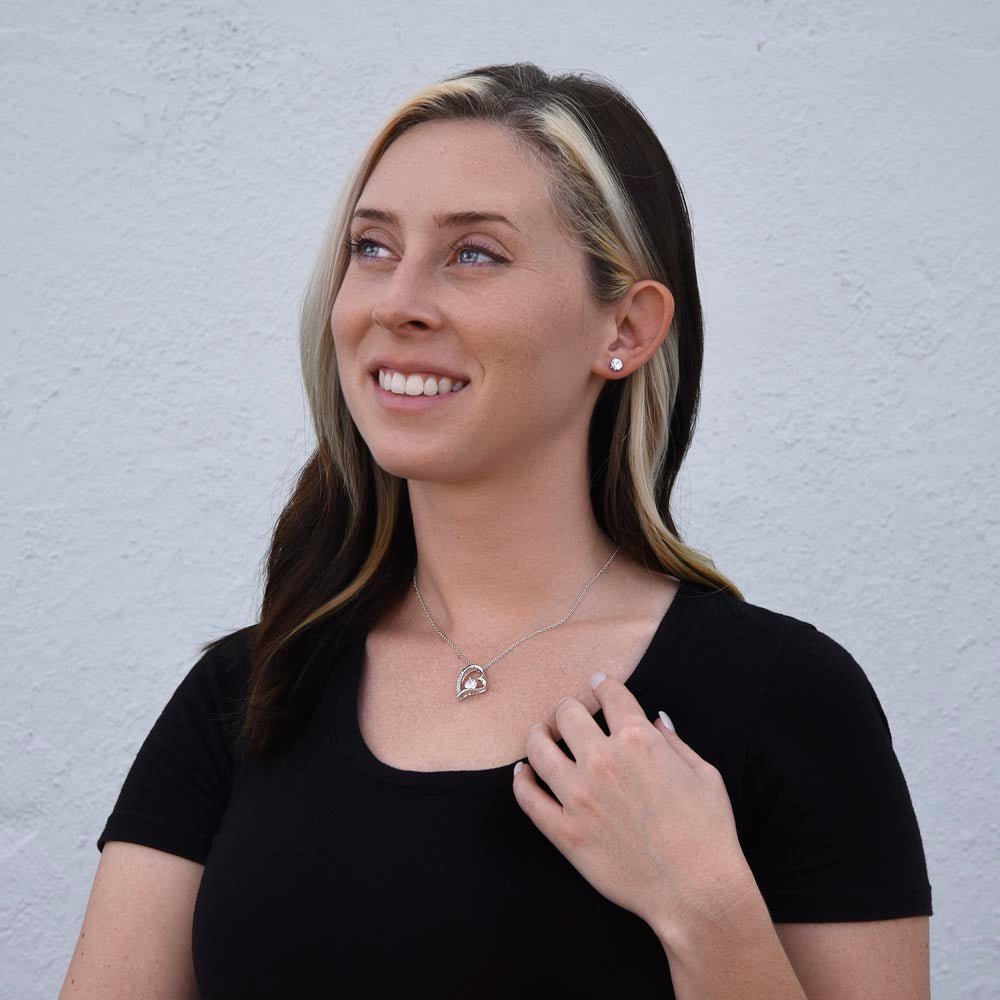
417	366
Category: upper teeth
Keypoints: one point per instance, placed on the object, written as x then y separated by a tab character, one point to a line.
416	385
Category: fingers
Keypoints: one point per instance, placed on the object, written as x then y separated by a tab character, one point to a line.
621	708
543	810
546	758
679	746
619	704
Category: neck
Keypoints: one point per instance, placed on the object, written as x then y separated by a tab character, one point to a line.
482	573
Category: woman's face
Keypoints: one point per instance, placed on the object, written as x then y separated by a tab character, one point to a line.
511	313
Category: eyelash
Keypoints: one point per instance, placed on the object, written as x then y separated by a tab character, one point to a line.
354	248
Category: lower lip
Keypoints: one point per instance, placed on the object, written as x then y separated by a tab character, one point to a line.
400	401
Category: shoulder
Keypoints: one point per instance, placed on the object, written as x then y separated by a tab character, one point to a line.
749	655
806	669
222	664
763	634
714	607
727	633
210	696
793	684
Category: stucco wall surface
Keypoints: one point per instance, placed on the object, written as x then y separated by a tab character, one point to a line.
167	174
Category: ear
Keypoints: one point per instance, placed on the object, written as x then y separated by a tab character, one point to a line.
642	320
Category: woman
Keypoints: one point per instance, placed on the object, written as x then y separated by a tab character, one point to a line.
502	347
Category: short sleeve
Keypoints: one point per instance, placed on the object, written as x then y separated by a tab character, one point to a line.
829	827
178	786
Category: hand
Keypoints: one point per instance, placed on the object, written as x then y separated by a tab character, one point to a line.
639	814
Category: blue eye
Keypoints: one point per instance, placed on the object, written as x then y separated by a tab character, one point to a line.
356	247
476	248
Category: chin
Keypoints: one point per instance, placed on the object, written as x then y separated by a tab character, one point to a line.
436	466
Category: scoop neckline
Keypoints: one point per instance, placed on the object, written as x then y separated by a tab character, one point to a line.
350	742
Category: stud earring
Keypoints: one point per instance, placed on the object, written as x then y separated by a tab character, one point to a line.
616	364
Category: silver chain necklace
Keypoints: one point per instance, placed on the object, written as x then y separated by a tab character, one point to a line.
472	679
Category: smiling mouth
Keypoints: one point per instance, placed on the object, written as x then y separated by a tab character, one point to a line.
418	395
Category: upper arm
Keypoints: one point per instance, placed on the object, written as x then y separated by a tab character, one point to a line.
136	933
827	823
136	938
830	831
177	789
860	960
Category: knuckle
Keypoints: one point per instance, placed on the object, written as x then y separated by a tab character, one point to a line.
572	837
581	800
535	734
639	739
635	735
713	772
601	762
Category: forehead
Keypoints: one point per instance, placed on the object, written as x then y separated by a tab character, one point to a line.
440	167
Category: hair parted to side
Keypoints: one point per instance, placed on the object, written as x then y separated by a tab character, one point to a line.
343	548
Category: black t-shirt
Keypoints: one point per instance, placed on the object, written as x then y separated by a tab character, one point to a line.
330	873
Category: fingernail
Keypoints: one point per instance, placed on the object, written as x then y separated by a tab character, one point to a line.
518	766
596	678
666	720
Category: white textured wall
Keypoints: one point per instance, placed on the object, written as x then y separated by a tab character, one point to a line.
167	169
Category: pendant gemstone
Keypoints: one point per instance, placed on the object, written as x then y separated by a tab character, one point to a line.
472	680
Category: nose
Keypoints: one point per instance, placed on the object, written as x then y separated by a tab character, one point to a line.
403	301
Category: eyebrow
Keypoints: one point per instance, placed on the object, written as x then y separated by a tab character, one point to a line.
442	219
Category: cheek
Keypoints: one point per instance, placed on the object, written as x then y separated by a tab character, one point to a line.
537	343
352	306
532	393
342	320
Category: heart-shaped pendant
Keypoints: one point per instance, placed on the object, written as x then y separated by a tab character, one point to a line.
470	682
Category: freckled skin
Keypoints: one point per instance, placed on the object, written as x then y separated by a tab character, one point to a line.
498	479
525	330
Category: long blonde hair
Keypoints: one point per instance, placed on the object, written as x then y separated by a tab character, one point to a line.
343	549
